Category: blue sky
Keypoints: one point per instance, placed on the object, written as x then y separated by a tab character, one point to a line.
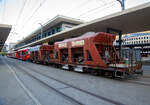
24	15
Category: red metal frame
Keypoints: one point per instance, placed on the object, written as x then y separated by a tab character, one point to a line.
98	47
86	43
94	51
44	54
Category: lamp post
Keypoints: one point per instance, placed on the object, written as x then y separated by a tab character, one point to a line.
122	4
41	29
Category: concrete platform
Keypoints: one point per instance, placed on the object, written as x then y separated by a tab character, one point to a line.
129	92
11	93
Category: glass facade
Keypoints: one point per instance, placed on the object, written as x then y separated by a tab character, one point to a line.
48	32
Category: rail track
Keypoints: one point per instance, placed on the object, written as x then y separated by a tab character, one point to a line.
68	85
129	81
72	100
138	82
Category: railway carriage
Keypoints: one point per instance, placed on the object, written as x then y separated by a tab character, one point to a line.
94	52
91	52
23	54
42	54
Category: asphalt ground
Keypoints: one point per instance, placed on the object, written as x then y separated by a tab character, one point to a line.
47	85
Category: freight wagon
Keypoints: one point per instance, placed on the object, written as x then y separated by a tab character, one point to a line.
42	54
91	52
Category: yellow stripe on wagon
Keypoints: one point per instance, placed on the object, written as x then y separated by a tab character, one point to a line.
78	43
62	45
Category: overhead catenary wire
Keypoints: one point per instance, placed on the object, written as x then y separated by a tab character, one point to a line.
28	19
20	13
94	9
100	10
19	16
104	7
32	7
87	14
78	6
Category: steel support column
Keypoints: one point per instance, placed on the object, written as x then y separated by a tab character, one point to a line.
119	32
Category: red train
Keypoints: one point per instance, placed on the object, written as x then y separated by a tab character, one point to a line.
91	52
42	54
22	54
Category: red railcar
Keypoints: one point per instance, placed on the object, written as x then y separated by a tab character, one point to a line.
23	54
95	52
42	54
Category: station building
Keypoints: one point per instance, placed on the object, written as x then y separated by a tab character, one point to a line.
57	24
118	23
140	40
136	38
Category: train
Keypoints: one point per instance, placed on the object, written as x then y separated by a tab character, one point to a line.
91	52
22	54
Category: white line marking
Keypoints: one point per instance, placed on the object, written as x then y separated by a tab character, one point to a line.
22	85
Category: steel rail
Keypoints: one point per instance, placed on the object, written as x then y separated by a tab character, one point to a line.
72	100
79	89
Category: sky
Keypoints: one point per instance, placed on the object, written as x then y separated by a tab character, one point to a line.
25	15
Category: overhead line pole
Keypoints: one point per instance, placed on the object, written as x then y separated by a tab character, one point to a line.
41	29
122	3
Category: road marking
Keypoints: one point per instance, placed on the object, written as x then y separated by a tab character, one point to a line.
35	100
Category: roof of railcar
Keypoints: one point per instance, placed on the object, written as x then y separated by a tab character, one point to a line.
84	36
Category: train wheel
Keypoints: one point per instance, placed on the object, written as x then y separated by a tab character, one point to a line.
113	75
47	63
71	68
96	73
141	73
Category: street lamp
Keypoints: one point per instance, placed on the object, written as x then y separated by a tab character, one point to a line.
41	29
122	4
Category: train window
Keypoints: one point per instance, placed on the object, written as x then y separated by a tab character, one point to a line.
89	58
22	53
26	52
18	54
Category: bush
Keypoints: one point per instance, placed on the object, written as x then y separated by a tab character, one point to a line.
3	53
